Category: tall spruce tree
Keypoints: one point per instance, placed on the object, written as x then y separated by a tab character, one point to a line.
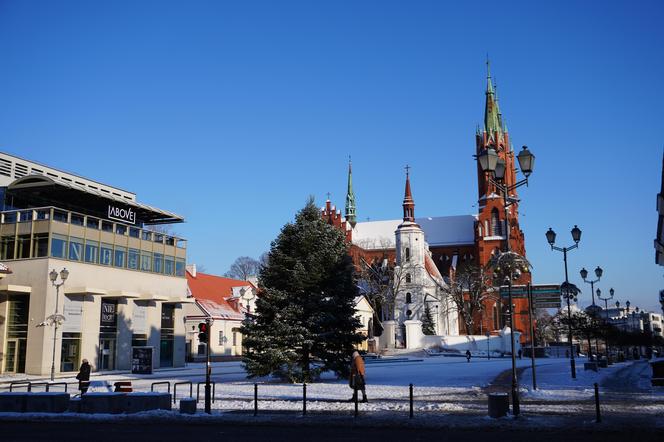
305	310
428	327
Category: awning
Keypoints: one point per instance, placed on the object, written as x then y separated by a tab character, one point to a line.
150	297
84	291
54	191
17	289
178	300
121	294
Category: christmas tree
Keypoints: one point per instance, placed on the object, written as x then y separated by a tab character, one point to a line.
427	322
304	321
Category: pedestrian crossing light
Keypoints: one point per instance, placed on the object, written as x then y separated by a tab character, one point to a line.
202	333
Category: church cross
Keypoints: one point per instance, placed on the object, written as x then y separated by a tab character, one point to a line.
407	169
328	195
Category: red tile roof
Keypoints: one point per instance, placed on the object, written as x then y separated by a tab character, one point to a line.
214	288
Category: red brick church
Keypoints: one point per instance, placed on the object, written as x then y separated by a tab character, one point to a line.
453	240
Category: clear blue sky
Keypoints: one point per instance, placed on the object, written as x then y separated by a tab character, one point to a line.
232	113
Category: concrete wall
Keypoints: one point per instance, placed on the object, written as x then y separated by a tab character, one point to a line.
34	273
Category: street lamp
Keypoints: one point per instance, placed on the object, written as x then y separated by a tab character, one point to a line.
56	319
576	237
494	167
584	275
606	314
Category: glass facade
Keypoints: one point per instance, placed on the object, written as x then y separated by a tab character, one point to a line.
151	252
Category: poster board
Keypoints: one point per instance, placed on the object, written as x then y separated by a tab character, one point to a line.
141	360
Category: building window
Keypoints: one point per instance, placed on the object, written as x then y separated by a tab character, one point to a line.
106	254
408	298
169	265
146	261
180	267
132	259
107	226
92	223
408	278
158	266
496	225
221	337
76	249
76	219
58	246
39	245
23	246
92	252
407	253
120	256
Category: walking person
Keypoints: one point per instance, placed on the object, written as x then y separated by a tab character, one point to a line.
357	377
83	376
468	355
520	353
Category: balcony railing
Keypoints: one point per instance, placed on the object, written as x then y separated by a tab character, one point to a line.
63	234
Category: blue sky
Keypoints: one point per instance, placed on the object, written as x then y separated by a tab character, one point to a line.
232	113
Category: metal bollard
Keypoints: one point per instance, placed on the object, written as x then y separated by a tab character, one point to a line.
411	401
304	399
355	397
255	399
598	415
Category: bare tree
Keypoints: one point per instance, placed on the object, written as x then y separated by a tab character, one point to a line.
243	267
469	286
380	280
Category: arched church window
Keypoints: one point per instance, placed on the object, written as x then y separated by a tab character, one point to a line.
407	253
496	224
408	278
409	298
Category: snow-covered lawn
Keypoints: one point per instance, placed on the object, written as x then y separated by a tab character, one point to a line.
441	384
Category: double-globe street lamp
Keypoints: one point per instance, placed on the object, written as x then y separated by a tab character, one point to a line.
606	318
495	166
56	319
567	293
593	310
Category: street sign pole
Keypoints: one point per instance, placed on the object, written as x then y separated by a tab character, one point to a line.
208	369
532	333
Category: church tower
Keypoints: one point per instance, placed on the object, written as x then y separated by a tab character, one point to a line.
492	225
351	217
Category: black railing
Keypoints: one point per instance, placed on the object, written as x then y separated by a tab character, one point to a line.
175	389
161	383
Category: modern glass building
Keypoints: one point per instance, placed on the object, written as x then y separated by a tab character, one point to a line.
126	282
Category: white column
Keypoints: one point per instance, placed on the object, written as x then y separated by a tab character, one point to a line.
414	335
387	338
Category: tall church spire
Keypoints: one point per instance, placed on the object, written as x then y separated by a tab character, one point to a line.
408	203
491	112
350	197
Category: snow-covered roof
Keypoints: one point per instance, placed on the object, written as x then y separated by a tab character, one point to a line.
219	311
438	231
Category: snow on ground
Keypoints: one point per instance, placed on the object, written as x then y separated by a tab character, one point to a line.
447	385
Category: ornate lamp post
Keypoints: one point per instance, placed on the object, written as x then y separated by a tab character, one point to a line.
551	238
56	319
584	275
494	166
508	267
606	318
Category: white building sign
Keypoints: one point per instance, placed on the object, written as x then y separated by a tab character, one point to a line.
124	214
73	312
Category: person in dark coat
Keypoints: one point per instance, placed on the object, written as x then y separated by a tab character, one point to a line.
83	376
357	377
468	355
519	353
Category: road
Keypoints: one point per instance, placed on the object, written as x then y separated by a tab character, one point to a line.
200	432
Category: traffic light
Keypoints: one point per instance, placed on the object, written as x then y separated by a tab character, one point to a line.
202	333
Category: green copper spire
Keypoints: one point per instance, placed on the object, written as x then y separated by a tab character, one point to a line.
491	111
350	197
